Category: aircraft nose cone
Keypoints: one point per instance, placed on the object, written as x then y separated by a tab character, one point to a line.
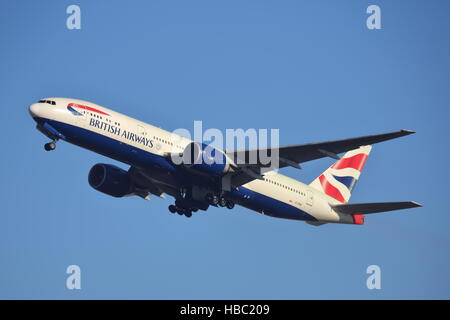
34	109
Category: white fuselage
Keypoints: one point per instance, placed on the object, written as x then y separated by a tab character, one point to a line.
94	124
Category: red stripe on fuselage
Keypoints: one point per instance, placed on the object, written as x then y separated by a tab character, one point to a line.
87	108
330	190
356	162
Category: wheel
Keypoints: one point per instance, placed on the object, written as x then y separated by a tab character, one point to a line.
194	209
172	208
50	146
222	202
215	200
212	199
180	211
188	213
230	204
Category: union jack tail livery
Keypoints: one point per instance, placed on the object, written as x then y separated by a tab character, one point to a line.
339	180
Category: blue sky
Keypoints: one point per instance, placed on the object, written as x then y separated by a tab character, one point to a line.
310	68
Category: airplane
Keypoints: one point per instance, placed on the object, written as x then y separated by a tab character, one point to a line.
197	185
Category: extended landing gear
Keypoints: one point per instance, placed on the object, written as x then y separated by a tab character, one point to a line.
182	211
185	207
230	204
50	146
221	201
212	199
188	213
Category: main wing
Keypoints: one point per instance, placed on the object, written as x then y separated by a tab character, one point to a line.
295	154
144	185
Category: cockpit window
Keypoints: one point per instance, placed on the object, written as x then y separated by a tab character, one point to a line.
53	103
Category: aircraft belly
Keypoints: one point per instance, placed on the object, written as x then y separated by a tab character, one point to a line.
268	205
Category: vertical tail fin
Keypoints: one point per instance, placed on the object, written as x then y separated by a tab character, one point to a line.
339	180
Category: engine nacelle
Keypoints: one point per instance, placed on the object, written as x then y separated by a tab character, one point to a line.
206	159
110	180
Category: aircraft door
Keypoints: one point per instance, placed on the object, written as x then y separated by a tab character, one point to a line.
309	198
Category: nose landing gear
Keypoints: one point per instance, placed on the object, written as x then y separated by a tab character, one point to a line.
50	146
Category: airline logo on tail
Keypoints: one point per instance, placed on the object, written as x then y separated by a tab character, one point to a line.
339	180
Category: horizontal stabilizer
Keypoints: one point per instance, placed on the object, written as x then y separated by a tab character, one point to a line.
375	207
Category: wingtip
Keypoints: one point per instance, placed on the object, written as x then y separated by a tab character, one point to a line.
406	132
416	204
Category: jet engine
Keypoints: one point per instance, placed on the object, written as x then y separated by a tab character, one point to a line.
206	159
110	180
